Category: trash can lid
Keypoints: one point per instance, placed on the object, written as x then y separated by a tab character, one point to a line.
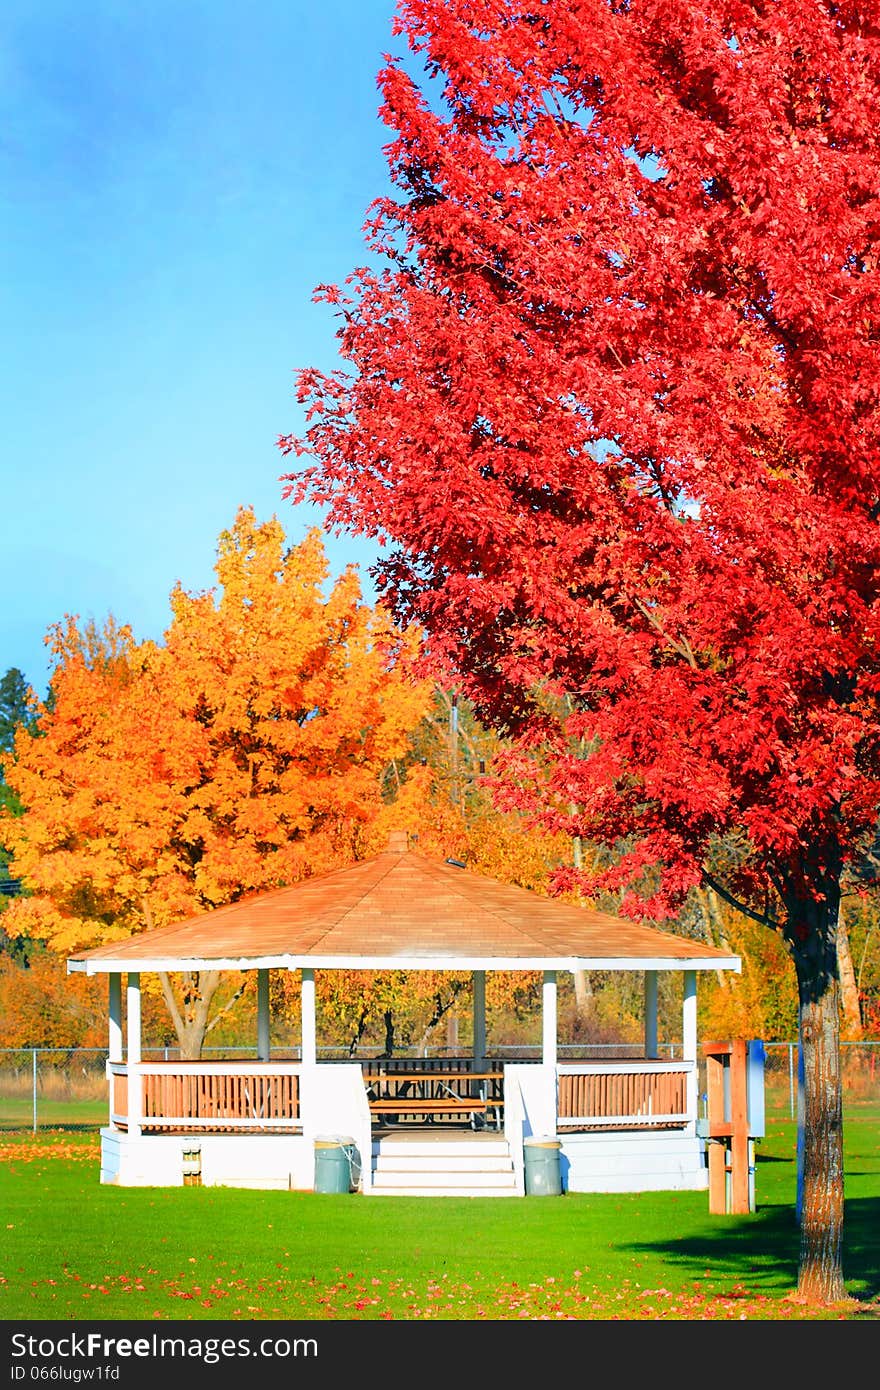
543	1142
332	1141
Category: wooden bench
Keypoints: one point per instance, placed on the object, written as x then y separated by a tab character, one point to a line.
430	1110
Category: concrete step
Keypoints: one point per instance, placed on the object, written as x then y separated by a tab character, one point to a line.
444	1191
449	1163
442	1149
442	1177
465	1166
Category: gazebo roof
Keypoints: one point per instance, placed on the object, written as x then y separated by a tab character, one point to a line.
401	910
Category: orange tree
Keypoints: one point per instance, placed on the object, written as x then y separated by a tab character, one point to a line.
41	1007
243	752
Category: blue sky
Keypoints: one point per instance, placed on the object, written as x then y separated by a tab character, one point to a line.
176	178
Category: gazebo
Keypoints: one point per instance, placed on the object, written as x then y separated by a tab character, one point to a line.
429	1126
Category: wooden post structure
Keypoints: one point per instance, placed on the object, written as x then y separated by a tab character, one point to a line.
728	1127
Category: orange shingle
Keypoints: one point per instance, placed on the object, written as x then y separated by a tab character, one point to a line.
402	906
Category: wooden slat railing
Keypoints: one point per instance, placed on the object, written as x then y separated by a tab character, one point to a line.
255	1098
214	1097
649	1095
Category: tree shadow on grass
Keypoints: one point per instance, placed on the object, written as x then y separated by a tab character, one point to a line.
761	1251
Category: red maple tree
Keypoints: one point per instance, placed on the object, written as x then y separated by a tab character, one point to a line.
614	412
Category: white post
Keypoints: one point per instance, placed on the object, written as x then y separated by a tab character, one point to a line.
479	1020
135	1080
114	1051
689	1017
651	1013
262	1015
689	1041
548	1040
309	1019
115	1041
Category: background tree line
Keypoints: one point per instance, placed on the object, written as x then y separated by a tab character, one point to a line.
276	732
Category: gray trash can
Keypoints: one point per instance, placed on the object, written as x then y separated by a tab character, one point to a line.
337	1163
543	1170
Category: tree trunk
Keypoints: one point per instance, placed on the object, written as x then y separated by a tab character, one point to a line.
715	930
583	991
388	1020
820	1276
811	932
849	990
441	1009
358	1033
583	985
190	1018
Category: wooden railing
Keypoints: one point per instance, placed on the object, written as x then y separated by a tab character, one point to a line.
117	1075
624	1095
244	1097
216	1097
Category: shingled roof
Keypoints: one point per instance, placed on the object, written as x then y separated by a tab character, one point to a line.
402	910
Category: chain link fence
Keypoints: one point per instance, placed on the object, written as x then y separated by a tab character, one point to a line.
44	1087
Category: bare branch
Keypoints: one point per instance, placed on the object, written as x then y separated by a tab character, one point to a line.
682	646
225	1008
764	920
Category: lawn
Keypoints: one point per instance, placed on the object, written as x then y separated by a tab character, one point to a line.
74	1250
16	1114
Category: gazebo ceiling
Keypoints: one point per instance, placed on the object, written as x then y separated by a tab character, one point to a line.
402	910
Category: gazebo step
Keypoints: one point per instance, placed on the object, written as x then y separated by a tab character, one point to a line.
435	1148
425	1191
442	1177
450	1163
466	1166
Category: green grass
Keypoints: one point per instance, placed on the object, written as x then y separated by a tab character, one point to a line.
17	1114
73	1249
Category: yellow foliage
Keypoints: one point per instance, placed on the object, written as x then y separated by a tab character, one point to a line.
245	751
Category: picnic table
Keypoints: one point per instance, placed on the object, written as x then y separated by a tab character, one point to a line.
430	1094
